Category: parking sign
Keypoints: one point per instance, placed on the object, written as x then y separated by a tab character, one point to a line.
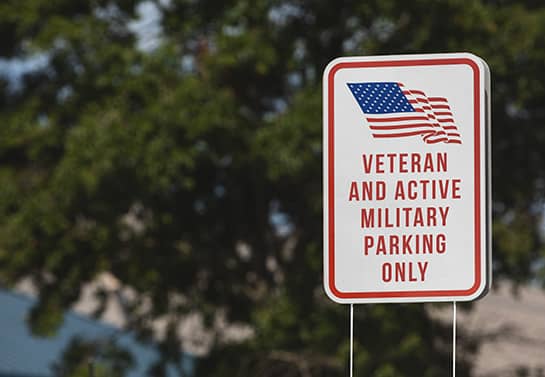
406	178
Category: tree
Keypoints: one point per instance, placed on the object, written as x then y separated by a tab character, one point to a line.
191	169
102	357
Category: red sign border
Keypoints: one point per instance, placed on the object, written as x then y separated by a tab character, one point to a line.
331	174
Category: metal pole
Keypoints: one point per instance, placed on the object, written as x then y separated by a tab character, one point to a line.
91	365
351	340
454	339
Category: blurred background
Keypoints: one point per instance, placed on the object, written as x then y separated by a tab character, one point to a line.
160	189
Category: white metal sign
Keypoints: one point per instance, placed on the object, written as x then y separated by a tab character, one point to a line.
406	178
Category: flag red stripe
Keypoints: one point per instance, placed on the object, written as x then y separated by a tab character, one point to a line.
396	119
414	92
435	141
402	126
401	134
423	100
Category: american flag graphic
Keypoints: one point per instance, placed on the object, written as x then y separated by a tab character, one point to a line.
394	111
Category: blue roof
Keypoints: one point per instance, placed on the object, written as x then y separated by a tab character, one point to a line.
24	355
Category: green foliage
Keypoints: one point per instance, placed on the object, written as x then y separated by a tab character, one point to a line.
101	358
193	169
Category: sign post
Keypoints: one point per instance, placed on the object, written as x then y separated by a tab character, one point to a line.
406	178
